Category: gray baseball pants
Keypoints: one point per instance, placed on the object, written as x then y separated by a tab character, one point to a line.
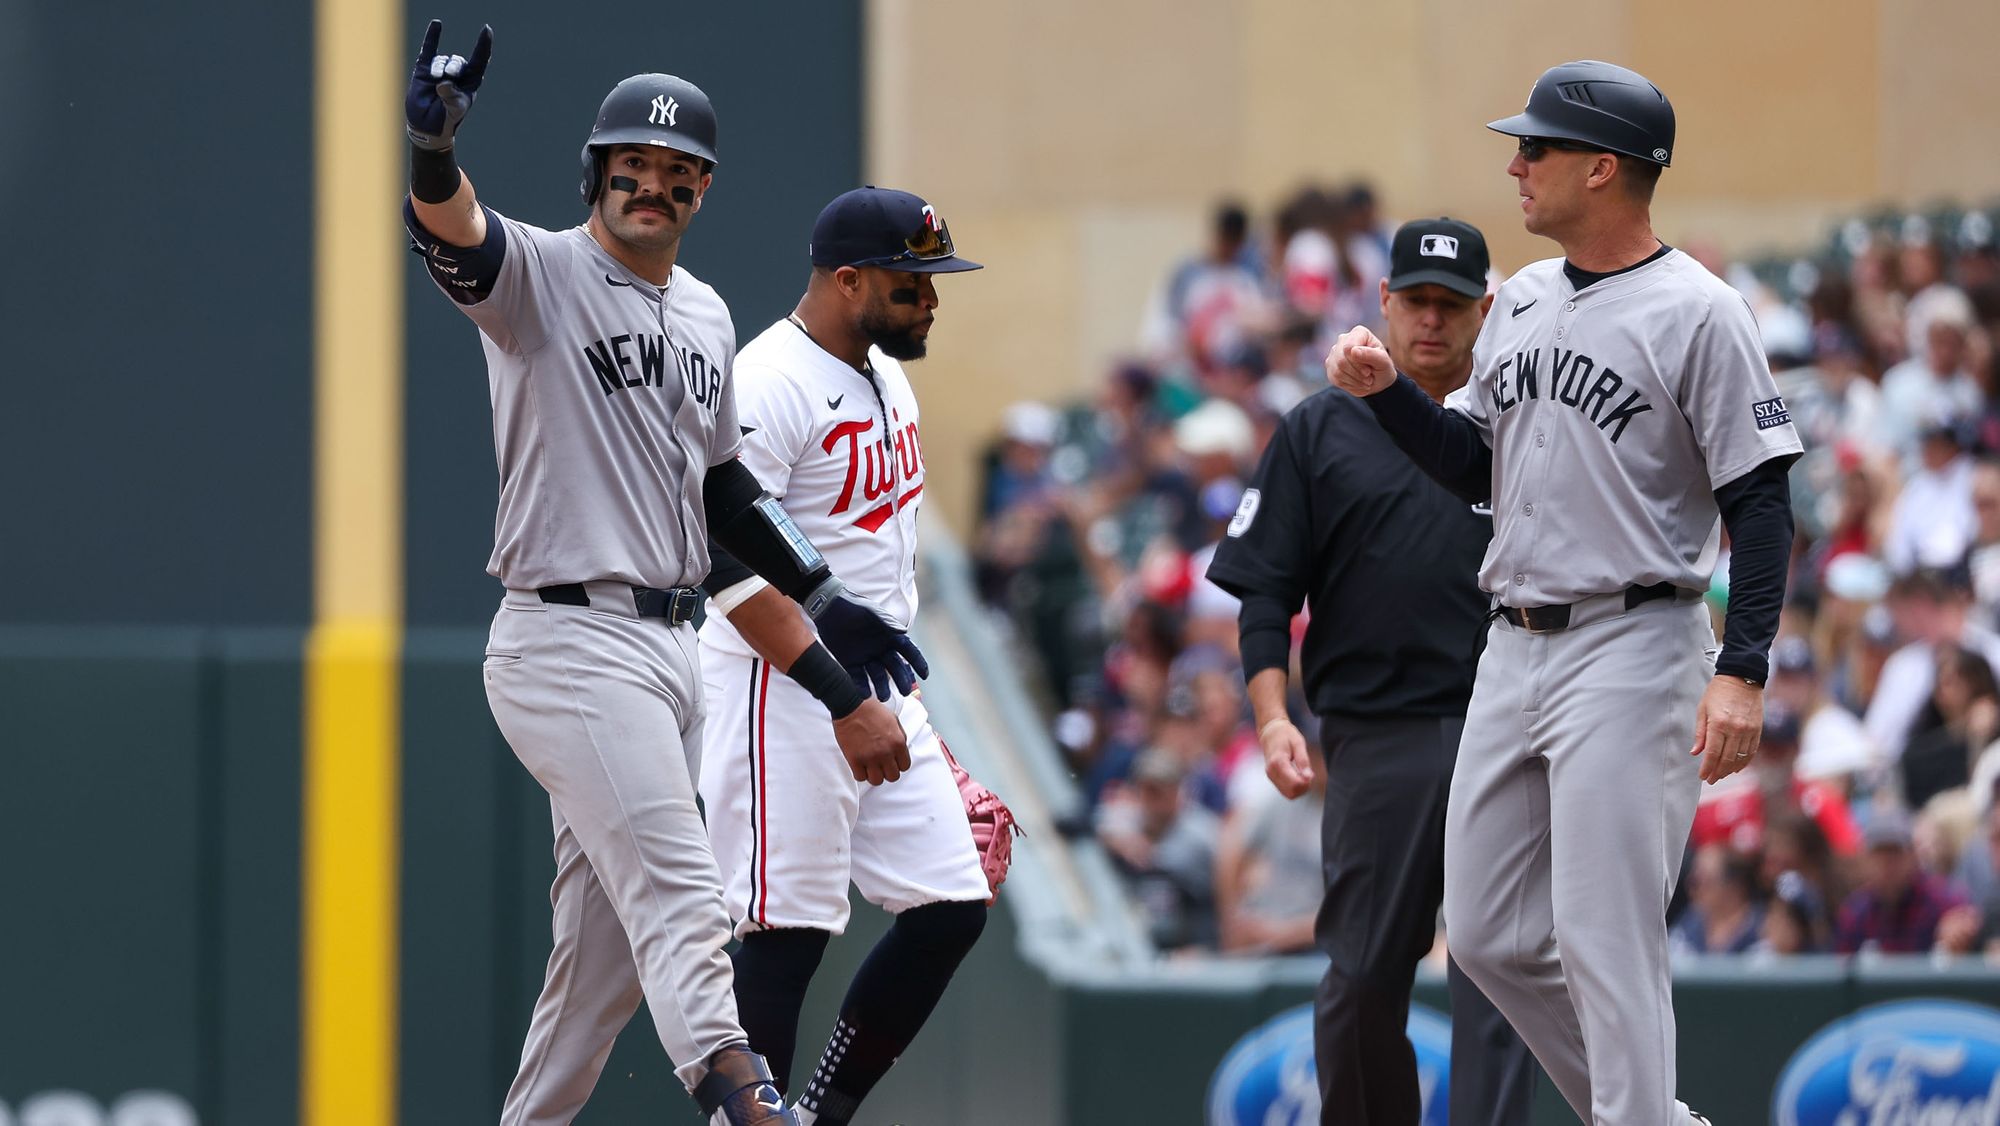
1569	813
604	708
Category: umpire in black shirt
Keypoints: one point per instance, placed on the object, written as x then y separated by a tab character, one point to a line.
1387	562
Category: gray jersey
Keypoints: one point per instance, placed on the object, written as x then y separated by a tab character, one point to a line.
1614	414
611	398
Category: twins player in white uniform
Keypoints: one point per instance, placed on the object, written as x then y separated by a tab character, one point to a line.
830	426
615	427
1619	404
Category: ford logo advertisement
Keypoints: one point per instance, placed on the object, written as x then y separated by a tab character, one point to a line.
1900	1062
1268	1077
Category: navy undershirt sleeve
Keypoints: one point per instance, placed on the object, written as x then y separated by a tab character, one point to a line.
726	492
724	570
1444	443
1757	510
1264	630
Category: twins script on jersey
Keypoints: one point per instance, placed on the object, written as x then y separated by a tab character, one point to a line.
1614	412
841	449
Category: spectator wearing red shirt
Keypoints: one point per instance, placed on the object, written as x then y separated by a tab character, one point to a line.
1734	813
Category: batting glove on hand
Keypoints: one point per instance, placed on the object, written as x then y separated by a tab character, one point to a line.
442	88
872	646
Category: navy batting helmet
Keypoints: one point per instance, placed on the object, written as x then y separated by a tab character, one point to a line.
649	109
1598	104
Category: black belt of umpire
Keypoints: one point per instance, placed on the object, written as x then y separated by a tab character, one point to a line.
1548	619
675	604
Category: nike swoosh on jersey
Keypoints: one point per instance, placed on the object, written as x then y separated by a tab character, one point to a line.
833	404
747	430
1519	309
615	281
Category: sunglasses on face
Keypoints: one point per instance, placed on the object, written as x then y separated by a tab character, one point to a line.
931	241
1535	148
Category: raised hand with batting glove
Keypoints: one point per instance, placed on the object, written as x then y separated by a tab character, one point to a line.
442	88
441	199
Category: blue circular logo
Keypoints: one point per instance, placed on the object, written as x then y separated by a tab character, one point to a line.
1903	1061
1269	1079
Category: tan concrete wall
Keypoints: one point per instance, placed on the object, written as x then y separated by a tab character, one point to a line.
1076	146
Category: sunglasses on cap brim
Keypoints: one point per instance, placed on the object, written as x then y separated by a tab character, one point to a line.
931	242
1535	148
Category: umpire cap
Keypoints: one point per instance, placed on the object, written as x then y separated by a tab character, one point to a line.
1598	104
1440	251
649	109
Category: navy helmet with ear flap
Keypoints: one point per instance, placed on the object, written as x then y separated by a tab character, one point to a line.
649	109
1598	104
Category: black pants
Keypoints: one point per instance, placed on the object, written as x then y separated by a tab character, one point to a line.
1382	857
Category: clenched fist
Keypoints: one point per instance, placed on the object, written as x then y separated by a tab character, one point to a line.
1359	364
871	739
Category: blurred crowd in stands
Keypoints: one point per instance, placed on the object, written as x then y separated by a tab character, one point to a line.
1867	823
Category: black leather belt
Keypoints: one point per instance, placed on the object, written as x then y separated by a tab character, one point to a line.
1547	619
675	604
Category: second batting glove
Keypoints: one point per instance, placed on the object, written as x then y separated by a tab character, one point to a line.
874	648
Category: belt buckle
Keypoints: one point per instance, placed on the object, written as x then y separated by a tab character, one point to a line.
681	602
1544	619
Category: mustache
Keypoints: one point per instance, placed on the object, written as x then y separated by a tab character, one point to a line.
651	203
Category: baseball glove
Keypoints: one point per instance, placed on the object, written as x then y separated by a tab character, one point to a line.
993	826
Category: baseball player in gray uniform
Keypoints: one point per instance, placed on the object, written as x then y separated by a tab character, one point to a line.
615	426
1619	410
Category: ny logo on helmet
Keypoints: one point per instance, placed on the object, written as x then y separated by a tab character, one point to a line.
664	109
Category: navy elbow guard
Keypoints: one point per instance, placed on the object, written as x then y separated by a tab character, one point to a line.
466	273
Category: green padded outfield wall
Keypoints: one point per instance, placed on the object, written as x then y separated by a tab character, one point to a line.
151	821
156	300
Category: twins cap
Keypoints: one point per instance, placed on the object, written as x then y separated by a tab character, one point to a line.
874	226
1442	252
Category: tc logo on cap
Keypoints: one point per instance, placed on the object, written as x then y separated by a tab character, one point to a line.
664	110
1438	246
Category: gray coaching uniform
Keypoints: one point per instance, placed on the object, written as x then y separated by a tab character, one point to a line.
611	399
1614	413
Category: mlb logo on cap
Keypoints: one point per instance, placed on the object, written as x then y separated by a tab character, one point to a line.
1442	252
